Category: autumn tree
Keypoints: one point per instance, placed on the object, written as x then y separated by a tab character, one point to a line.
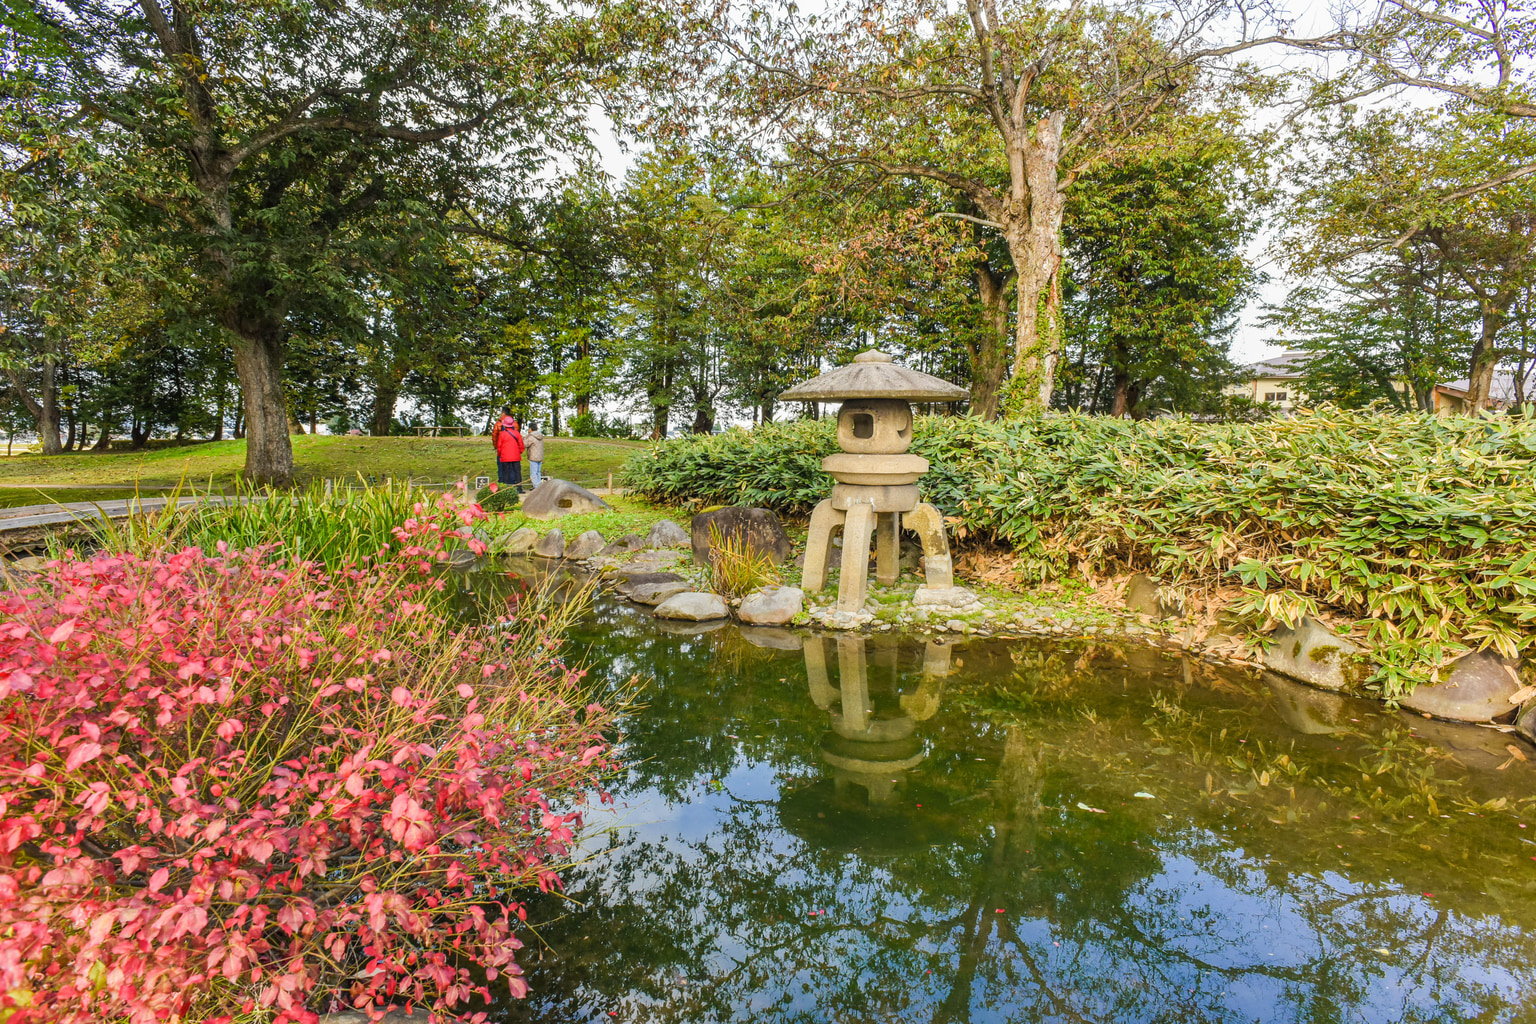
1006	104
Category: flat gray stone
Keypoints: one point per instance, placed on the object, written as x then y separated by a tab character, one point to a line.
943	597
657	593
585	546
693	606
625	582
1316	655
462	560
667	534
771	606
518	542
771	638
551	545
554	498
1477	690
359	1017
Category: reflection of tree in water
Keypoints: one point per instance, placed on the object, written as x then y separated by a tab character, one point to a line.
1211	914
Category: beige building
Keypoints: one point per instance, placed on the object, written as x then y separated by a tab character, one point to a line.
1451	397
1275	381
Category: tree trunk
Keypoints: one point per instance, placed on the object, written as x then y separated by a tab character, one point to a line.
659	416
385	395
104	442
259	353
44	407
1033	232
703	420
990	358
294	426
1485	359
218	418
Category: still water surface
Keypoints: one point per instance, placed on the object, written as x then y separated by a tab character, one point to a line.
861	830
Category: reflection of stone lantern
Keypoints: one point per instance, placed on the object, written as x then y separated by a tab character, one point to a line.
876	491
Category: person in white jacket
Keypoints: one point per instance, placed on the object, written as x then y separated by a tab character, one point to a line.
535	443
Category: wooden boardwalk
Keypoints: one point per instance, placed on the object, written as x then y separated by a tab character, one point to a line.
29	525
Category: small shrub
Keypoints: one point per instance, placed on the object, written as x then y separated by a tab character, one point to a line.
499	499
236	784
737	568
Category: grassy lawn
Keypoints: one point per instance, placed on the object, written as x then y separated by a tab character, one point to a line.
629	515
426	460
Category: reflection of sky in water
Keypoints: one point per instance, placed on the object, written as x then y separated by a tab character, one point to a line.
1181	909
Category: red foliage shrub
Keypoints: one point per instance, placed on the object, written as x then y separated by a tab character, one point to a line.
233	784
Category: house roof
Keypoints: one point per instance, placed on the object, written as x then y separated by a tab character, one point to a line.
1288	364
1501	391
874	374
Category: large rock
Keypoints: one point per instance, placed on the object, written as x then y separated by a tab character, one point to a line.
518	542
667	534
693	606
656	593
551	545
1477	690
1525	723
758	528
959	598
1143	596
628	542
772	606
585	546
554	498
1316	655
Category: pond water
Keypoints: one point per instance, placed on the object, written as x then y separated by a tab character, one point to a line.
860	830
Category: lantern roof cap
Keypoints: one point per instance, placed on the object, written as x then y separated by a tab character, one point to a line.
873	374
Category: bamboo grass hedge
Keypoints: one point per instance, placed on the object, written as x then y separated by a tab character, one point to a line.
1421	529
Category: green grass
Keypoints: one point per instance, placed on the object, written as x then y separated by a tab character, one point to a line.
16	497
429	460
629	515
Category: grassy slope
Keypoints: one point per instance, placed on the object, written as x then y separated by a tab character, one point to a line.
430	460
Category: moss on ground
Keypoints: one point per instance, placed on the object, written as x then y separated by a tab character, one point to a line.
629	515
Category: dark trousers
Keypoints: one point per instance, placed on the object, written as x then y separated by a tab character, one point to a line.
509	474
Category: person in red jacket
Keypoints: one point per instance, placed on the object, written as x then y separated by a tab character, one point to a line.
508	440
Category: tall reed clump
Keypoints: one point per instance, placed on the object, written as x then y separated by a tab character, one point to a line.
335	526
1422	529
736	567
237	784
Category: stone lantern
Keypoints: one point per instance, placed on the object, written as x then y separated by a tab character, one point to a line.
876	491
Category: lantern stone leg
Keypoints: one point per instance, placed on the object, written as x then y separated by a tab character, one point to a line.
938	569
858	531
888	548
825	521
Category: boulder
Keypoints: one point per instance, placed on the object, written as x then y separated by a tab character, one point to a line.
657	593
1525	722
667	534
771	638
758	528
1143	597
551	545
462	560
626	543
772	606
693	606
1477	690
585	545
1314	654
554	498
518	542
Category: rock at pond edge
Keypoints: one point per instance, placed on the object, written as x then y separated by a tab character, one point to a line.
1316	655
693	606
585	545
551	545
659	591
1477	689
771	606
666	534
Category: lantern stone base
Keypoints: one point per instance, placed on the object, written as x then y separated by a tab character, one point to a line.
867	515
